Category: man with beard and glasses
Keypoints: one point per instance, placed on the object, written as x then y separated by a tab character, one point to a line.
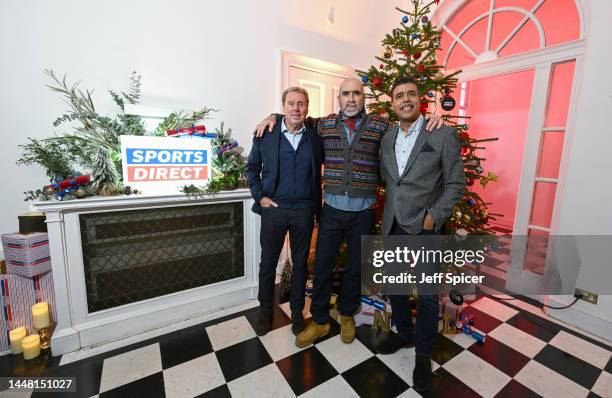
351	142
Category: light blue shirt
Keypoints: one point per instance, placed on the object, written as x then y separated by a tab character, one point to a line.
405	142
345	202
293	138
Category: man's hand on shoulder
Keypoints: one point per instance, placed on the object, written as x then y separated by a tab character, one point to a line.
267	123
433	122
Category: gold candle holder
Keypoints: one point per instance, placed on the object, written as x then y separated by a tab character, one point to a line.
45	335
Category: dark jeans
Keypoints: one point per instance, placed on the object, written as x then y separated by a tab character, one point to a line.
427	316
275	223
334	226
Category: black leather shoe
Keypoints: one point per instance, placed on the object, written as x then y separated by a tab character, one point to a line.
264	322
389	342
297	322
421	377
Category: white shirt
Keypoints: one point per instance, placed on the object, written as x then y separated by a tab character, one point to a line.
405	142
293	138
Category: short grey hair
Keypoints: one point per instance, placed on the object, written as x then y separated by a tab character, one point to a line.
295	90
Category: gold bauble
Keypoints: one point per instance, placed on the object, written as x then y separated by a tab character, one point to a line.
80	193
388	52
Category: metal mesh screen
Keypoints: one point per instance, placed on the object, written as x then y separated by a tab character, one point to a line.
135	255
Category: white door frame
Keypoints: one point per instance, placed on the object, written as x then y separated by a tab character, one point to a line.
291	59
541	60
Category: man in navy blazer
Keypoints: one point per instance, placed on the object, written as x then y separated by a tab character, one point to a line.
284	175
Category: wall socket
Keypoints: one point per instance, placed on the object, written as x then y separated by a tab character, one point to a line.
586	296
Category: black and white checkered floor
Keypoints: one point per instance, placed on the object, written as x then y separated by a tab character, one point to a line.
524	355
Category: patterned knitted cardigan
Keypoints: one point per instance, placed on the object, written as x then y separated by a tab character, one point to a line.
352	169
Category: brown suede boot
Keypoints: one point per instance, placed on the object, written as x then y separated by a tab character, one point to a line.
313	332
347	329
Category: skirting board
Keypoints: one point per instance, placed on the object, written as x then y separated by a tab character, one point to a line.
577	316
92	333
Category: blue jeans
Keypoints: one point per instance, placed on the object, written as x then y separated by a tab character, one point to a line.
426	331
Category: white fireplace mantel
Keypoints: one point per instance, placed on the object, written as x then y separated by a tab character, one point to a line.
77	328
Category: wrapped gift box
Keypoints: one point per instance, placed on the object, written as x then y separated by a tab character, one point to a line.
17	296
369	305
27	254
365	316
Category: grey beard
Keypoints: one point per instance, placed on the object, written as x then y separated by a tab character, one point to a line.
348	113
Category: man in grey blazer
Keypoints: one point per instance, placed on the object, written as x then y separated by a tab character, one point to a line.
424	176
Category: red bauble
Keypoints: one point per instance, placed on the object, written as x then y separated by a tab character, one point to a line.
421	68
381	66
377	81
464	150
470	182
405	53
424	106
464	136
416	55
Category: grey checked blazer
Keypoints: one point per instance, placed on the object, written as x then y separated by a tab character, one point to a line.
432	182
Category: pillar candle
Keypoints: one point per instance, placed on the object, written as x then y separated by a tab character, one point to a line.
30	346
15	337
40	314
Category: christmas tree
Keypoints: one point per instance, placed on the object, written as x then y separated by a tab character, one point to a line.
104	176
410	49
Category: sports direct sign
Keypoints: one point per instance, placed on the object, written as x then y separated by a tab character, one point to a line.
161	165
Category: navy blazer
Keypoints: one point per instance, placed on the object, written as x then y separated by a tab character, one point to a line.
262	167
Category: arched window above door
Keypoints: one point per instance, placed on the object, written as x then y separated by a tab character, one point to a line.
484	30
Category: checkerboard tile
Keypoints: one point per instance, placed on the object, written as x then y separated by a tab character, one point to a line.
303	378
548	383
402	363
264	382
280	343
499	355
482	377
588	352
374	377
230	332
495	309
344	356
522	342
243	358
603	385
335	387
524	356
131	366
193	377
